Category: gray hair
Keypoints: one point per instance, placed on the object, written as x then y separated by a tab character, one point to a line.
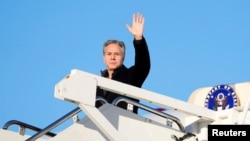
119	43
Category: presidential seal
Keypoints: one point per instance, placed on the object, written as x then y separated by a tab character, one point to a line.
221	97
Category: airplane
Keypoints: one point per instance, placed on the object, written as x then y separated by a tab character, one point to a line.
200	118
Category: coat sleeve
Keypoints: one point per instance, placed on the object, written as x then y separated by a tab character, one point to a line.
142	64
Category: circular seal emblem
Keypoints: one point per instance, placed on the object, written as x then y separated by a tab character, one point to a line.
221	97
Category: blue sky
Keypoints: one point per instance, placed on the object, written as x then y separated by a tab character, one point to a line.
192	44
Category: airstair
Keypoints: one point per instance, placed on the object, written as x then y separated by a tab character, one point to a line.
180	120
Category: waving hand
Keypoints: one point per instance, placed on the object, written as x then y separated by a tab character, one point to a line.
137	26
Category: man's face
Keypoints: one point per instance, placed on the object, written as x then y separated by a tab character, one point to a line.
113	56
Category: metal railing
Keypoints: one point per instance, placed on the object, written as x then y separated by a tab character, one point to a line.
149	109
46	131
54	124
23	126
60	120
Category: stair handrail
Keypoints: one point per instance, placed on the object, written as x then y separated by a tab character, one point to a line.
23	126
60	120
54	124
149	109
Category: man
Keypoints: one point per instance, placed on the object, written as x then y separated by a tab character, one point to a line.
114	55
